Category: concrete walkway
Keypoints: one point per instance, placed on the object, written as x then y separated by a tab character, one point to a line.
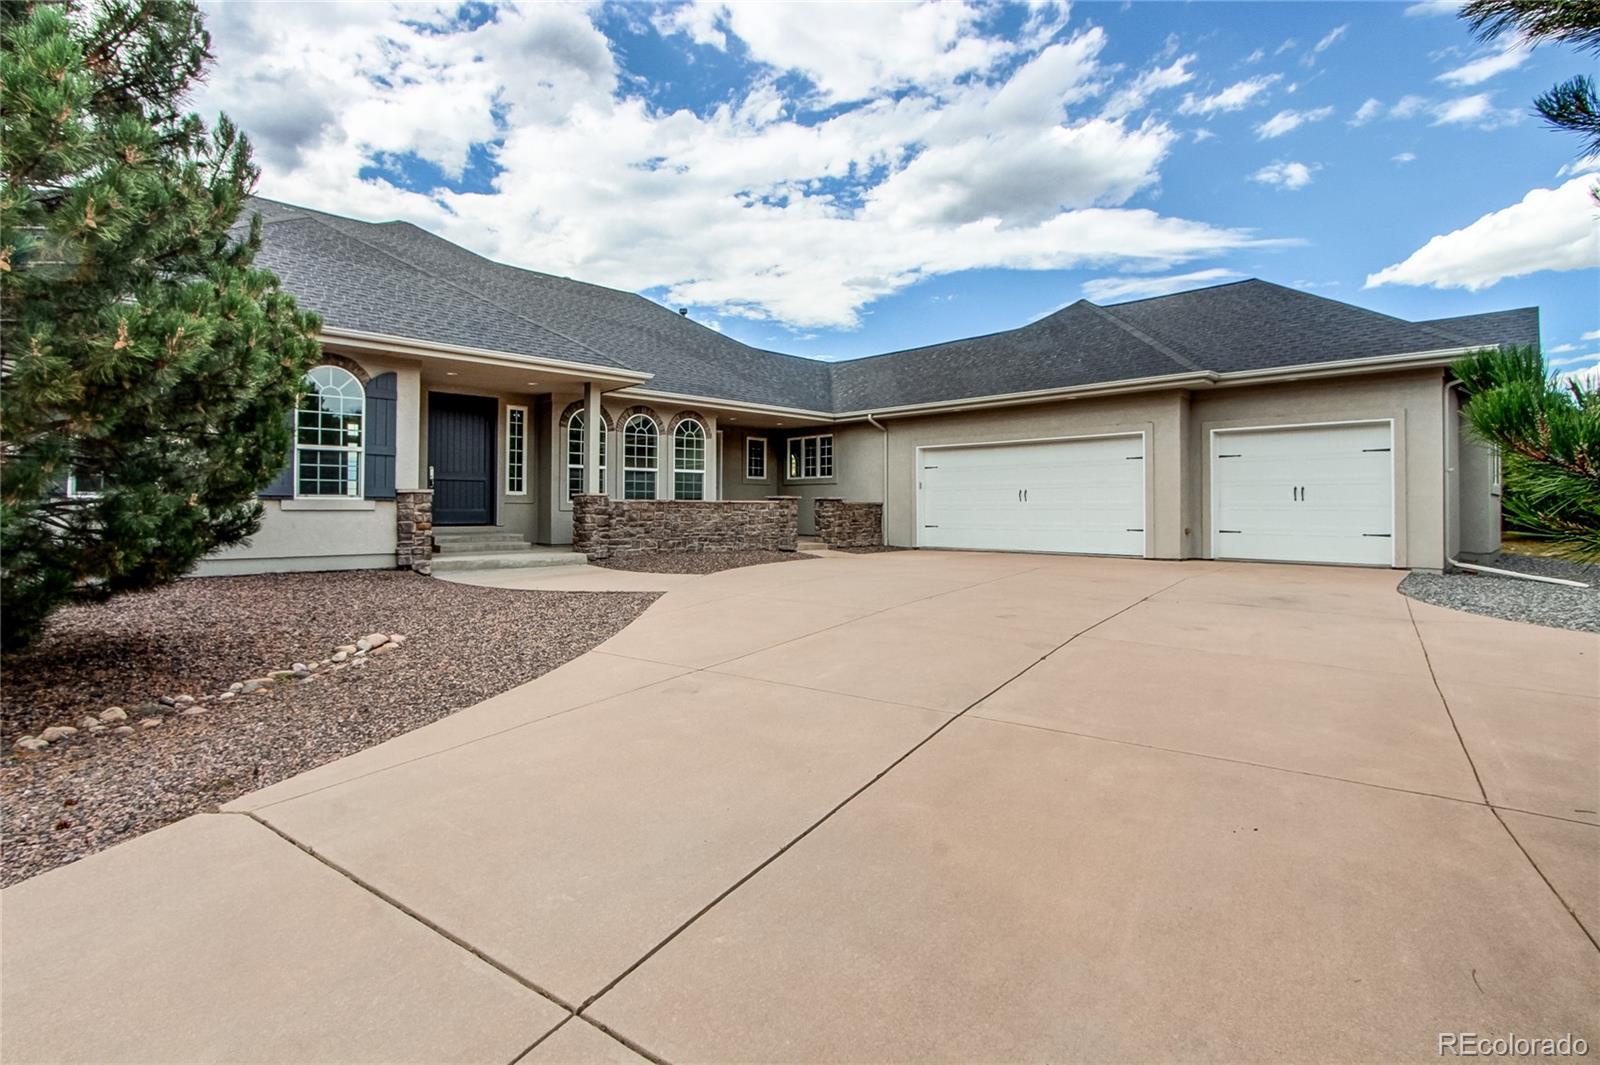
896	807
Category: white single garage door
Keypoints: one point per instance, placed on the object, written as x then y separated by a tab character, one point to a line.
1319	493
1084	496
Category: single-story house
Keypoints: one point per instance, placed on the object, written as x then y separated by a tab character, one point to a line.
1241	421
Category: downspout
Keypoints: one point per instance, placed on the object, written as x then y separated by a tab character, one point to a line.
883	515
1445	452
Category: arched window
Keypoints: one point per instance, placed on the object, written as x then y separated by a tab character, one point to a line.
639	457
689	460
575	430
328	430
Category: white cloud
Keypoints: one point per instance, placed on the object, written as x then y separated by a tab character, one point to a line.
1408	106
1103	289
1549	229
1256	56
1593	334
1290	120
1580	166
1477	110
1331	38
1233	98
1404	157
851	51
1510	57
1433	7
1367	112
1588	376
1286	175
1560	348
739	209
1203	134
1137	93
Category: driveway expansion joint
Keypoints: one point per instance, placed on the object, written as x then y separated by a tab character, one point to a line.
819	822
1445	702
421	919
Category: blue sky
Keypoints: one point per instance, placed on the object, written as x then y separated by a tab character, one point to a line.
850	179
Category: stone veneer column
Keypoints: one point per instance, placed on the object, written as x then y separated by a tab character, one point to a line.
414	529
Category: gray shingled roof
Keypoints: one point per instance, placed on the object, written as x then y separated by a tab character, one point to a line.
397	279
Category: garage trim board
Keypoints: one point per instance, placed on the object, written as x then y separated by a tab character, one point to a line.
1319	492
1064	495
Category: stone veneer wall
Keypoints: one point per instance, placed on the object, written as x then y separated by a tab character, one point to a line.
842	524
413	541
603	527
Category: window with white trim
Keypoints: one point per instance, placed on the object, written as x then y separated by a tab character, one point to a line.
575	430
639	441
328	429
755	458
516	451
811	457
689	460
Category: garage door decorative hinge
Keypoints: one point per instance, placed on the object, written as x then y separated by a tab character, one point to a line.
1233	456
1230	530
1381	536
930	526
1133	530
1377	449
1134	458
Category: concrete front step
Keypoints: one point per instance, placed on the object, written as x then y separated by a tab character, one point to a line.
540	557
477	547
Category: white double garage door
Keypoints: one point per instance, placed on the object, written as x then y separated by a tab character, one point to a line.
1313	493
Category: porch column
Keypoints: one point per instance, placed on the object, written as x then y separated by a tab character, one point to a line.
593	426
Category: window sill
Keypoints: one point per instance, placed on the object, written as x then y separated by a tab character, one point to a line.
311	503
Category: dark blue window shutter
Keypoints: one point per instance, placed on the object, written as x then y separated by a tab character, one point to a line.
381	403
282	486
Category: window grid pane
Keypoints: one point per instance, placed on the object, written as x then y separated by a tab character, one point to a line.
575	456
755	460
328	429
516	450
639	458
689	485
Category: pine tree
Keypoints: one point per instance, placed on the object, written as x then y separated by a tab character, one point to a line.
1573	105
1549	440
141	352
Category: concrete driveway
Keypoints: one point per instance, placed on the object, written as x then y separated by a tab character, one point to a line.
893	807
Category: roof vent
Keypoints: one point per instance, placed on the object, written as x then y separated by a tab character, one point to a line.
684	311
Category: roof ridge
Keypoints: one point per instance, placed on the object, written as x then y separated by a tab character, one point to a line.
1175	356
607	359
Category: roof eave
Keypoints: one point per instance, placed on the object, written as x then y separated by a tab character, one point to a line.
383	343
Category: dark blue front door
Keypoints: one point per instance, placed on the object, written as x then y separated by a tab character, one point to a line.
461	458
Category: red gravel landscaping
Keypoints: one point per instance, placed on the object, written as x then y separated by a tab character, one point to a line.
87	792
698	561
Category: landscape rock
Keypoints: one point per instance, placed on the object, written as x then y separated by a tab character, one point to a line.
396	638
154	709
97	728
57	732
236	687
347	649
376	639
150	722
340	656
300	667
89	721
255	684
165	700
113	713
183	700
191	711
30	743
123	730
225	696
384	649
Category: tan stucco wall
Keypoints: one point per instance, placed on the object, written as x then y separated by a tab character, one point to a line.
1476	484
306	539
